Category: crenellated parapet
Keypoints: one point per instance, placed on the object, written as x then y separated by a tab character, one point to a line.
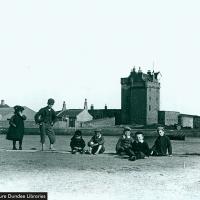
140	97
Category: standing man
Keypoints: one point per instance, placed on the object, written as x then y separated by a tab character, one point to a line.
46	118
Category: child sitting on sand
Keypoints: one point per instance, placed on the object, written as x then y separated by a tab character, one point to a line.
140	147
96	143
124	144
162	145
77	143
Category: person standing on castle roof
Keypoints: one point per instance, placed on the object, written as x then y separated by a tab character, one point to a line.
46	117
16	128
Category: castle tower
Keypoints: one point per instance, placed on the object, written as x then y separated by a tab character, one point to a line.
140	98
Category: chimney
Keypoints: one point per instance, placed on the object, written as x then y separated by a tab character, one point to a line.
92	107
149	72
106	107
85	105
64	106
2	102
140	74
139	71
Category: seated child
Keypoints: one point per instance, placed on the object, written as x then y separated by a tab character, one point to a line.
96	143
124	144
16	128
162	144
139	147
77	143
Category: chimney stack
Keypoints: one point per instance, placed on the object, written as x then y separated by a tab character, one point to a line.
85	105
106	107
92	107
2	102
149	72
64	106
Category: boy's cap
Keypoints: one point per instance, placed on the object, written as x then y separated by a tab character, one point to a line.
78	133
97	130
50	101
160	128
18	108
139	133
127	128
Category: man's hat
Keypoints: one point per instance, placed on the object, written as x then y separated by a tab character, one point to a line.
50	101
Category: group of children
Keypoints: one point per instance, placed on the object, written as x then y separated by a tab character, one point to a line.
96	143
134	147
137	148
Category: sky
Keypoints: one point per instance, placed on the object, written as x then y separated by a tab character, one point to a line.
72	50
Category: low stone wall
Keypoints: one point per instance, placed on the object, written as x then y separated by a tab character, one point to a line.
104	122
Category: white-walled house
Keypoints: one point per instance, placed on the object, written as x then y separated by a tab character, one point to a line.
73	117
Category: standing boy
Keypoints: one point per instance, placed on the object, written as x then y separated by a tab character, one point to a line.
46	118
162	145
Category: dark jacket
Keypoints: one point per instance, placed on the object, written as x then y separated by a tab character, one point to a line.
162	145
75	142
96	140
124	143
16	128
45	115
139	147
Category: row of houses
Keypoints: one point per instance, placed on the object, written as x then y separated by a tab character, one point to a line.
66	118
96	117
170	118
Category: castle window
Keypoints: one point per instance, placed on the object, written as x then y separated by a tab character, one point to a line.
149	107
149	98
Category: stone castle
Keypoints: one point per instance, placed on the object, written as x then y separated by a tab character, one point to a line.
140	98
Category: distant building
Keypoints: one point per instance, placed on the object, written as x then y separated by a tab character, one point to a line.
7	113
106	113
3	105
140	98
74	117
196	121
186	121
168	118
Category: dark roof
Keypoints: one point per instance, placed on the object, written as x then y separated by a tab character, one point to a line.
69	113
186	115
4	106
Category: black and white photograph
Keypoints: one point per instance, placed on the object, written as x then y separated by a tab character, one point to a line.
99	99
